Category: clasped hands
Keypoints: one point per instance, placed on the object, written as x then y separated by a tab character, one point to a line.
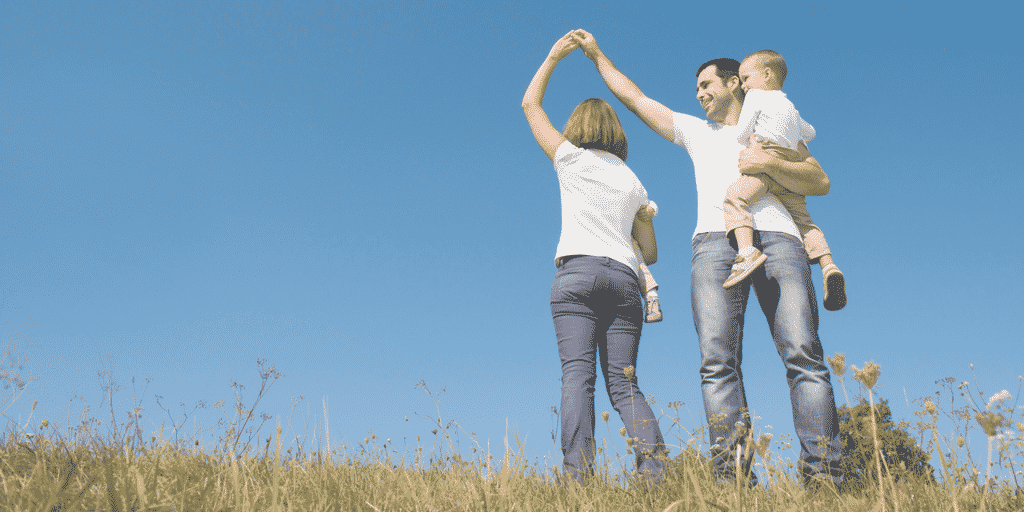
578	38
753	160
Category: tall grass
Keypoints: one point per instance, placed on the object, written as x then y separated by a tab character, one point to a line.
84	469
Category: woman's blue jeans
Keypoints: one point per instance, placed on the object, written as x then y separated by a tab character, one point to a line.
786	295
595	303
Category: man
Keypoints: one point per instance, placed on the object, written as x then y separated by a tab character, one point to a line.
783	285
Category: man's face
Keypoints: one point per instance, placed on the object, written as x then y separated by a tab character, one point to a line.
713	94
752	75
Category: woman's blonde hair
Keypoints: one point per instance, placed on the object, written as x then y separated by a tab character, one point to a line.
594	125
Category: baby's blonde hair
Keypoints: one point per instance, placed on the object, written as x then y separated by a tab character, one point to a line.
772	60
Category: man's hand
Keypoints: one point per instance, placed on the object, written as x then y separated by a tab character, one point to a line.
754	160
586	42
563	47
795	170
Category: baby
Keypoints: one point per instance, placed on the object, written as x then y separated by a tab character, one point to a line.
648	286
768	118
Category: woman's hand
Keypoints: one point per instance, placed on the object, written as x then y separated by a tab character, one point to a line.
546	134
563	47
586	42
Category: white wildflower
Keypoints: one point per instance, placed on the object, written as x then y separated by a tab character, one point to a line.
998	397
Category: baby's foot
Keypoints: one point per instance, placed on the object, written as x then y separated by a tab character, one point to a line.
744	266
652	310
835	287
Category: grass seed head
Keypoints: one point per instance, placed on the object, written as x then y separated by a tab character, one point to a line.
868	376
764	441
838	363
990	422
605	416
629	372
929	406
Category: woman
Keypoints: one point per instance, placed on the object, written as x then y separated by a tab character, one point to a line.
595	297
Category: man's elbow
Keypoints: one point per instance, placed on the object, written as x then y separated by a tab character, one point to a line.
632	100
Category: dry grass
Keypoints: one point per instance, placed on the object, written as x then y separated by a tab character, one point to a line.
82	470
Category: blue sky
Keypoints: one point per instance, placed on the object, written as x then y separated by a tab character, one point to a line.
351	191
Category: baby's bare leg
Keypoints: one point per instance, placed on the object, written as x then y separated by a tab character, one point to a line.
647	282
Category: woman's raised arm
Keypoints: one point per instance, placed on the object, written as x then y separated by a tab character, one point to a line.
547	136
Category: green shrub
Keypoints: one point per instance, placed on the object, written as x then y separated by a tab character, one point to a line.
900	452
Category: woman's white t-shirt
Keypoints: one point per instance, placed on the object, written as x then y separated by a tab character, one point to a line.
600	197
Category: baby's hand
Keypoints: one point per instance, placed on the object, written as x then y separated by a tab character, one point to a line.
646	213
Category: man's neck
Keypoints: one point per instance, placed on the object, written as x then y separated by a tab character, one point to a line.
732	115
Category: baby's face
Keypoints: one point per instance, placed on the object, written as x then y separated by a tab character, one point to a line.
752	74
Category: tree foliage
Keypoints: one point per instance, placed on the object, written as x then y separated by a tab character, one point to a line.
901	455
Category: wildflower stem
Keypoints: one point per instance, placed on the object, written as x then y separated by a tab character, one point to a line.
988	475
878	453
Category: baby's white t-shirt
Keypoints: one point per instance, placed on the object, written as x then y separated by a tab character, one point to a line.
771	115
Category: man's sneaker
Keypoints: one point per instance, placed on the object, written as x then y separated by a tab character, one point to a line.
835	287
742	267
653	311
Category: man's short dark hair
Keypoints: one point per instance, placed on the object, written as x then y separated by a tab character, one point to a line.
724	68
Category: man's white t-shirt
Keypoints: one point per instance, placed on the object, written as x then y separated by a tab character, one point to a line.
715	152
600	197
771	115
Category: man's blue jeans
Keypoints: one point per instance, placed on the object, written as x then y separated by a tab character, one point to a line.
595	303
786	295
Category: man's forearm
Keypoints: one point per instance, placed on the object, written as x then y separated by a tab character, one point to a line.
805	177
797	171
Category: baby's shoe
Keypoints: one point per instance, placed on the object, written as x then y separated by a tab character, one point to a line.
652	311
743	267
835	287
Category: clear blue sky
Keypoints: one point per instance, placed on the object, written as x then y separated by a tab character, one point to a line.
351	191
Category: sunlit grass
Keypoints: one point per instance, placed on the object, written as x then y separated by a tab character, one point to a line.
82	469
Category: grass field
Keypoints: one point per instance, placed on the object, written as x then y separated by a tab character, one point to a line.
42	469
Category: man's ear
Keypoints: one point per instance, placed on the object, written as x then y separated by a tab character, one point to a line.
733	83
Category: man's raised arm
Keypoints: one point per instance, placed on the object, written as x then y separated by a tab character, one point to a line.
655	115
